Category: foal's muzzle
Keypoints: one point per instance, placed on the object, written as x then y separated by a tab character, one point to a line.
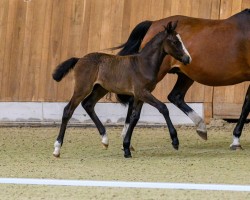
186	59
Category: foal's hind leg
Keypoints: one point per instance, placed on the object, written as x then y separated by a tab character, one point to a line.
67	114
89	103
177	98
150	99
238	129
134	117
127	121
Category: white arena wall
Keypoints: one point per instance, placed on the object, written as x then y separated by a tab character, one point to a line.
109	113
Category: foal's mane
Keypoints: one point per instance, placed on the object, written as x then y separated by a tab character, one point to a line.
155	40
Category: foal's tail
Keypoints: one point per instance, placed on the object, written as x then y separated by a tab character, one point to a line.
133	43
64	68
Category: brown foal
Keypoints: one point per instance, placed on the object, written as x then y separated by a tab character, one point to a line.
96	74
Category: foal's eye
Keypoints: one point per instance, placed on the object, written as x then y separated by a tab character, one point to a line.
175	42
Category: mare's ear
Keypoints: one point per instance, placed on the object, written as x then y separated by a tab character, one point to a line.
174	25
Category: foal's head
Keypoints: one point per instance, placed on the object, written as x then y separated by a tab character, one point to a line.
173	44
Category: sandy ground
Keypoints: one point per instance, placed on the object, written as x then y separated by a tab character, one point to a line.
27	153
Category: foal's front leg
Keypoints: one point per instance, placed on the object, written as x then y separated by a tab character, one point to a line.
135	115
150	99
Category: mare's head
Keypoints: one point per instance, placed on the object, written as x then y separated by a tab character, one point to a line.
173	44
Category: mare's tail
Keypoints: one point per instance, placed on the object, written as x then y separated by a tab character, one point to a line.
132	46
133	43
64	68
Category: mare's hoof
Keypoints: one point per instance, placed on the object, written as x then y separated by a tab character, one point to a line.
105	146
202	134
56	155
236	147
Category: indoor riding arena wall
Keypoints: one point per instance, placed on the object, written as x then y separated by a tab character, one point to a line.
37	35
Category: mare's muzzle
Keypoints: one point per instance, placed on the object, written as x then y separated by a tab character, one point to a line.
186	59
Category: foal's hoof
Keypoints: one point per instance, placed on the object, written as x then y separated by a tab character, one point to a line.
236	147
175	143
56	155
105	146
131	148
202	134
176	147
127	153
127	156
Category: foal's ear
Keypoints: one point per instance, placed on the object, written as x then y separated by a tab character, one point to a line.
168	29
171	27
174	25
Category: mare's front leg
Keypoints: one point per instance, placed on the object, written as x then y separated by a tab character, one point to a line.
162	108
89	103
177	96
135	115
238	129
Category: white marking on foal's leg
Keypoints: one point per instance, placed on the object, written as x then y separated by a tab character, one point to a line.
105	140
183	47
57	146
201	126
124	131
236	141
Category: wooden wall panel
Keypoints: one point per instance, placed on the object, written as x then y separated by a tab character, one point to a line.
37	35
195	8
4	12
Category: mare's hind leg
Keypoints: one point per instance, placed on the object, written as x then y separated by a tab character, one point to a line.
238	129
89	103
150	99
67	114
176	97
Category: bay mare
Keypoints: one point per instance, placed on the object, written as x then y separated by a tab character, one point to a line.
96	74
220	51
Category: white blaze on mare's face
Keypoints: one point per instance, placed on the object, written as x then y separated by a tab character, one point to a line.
183	47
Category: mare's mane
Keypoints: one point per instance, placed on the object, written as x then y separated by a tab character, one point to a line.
243	12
